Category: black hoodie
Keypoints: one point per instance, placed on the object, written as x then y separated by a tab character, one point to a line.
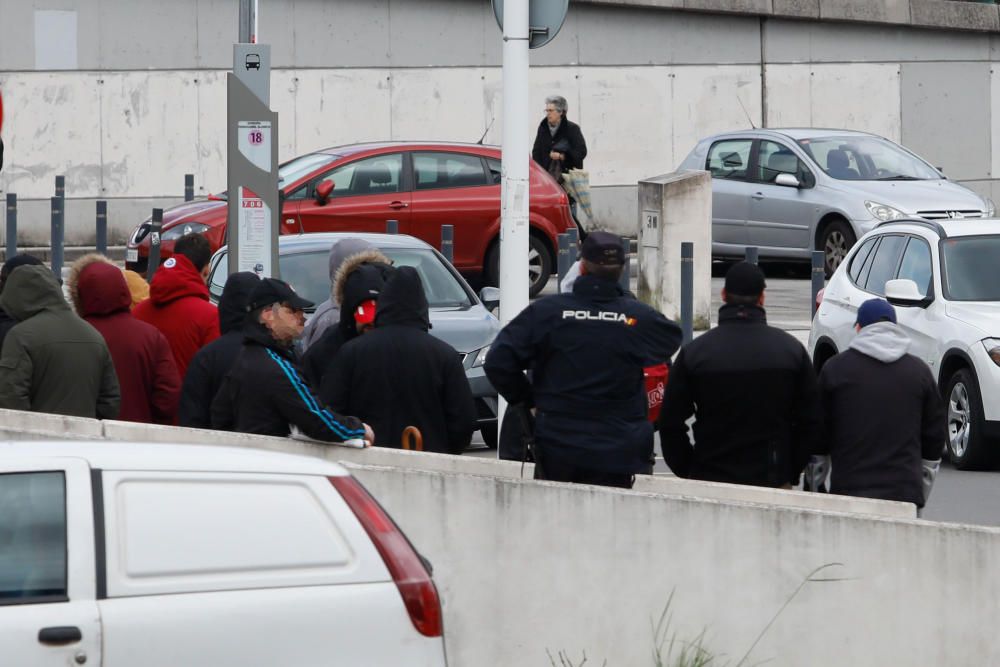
399	375
209	366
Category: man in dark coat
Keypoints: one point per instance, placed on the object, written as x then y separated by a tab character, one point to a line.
587	350
144	364
559	144
6	321
752	390
885	422
360	278
53	361
211	364
264	392
399	375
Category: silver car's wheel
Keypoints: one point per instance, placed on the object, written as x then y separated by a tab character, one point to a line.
959	426
837	239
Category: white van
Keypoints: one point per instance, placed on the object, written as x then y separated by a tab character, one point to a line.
121	554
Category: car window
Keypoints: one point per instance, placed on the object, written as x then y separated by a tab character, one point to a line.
495	170
729	158
916	264
308	273
860	257
863	157
969	268
447	170
371	176
217	281
886	259
32	537
773	159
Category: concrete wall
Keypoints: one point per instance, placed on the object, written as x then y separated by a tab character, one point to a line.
136	98
527	567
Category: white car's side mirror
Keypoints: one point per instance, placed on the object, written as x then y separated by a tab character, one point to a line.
904	292
788	180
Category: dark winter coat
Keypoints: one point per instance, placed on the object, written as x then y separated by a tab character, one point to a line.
328	313
265	393
210	365
752	389
399	375
883	413
178	306
568	136
145	367
53	361
587	350
360	278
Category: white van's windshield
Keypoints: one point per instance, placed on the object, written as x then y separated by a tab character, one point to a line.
867	159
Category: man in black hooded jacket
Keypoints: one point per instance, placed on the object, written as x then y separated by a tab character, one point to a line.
209	366
399	375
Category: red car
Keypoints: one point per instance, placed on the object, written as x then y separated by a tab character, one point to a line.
422	186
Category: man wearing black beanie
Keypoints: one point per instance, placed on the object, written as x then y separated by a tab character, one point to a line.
752	390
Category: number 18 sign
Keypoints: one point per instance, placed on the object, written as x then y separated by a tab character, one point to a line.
254	141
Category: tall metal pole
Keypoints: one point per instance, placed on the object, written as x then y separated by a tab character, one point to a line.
248	21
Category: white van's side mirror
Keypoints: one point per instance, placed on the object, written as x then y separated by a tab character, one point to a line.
788	180
904	292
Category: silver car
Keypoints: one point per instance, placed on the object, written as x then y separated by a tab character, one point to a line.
791	191
458	316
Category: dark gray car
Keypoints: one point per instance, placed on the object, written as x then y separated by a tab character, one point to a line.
458	316
791	191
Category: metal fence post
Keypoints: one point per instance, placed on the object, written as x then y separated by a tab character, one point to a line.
392	226
562	258
61	187
102	226
751	254
188	187
448	242
58	229
155	225
818	276
574	245
687	291
625	280
11	225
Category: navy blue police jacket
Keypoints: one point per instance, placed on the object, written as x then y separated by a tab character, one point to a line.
586	350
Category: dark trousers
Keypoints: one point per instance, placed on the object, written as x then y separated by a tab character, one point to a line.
560	471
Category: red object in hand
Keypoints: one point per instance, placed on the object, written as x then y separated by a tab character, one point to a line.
656	385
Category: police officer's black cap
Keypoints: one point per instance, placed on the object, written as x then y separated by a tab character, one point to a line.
271	290
603	248
745	279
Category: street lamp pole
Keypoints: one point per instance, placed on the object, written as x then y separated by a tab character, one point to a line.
248	21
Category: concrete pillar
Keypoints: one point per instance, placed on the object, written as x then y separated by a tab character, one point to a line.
674	208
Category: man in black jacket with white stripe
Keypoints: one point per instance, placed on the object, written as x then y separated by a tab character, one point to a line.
265	392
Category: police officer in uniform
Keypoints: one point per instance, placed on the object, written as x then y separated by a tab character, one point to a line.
587	351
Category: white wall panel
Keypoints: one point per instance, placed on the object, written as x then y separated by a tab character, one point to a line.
789	96
994	122
150	129
444	104
52	125
211	145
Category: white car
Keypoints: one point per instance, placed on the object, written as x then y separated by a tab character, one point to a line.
944	280
164	555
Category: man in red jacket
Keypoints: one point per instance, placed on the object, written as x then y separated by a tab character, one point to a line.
178	302
144	364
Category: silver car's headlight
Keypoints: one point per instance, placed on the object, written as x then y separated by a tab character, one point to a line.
883	212
992	346
175	233
481	356
991	208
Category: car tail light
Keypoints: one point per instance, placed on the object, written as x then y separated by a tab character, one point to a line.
405	565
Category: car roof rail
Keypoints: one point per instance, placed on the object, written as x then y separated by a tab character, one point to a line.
936	227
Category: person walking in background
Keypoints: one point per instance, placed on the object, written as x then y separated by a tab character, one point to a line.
6	321
178	302
327	314
885	422
210	365
587	351
399	375
53	361
144	365
559	144
752	390
264	392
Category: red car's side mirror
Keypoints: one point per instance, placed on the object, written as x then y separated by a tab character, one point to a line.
323	191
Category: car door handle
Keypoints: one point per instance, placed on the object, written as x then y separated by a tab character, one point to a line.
396	205
59	635
757	195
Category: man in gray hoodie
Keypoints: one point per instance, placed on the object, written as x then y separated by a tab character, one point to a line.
884	421
328	313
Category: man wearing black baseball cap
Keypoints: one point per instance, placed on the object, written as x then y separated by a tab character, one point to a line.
265	392
885	424
752	391
587	350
